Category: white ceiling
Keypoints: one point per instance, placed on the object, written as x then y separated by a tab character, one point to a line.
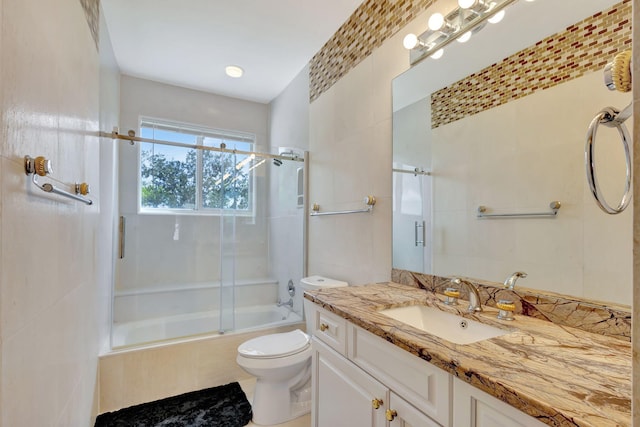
189	42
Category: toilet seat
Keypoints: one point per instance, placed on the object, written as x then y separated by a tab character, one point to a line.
275	345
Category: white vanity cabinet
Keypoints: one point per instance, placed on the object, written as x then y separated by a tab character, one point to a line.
344	395
475	408
361	380
402	414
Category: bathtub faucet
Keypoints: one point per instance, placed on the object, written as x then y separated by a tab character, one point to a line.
289	303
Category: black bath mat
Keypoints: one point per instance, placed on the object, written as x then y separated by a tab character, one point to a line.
223	406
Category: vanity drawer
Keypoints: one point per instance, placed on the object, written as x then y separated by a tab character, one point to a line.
418	382
328	327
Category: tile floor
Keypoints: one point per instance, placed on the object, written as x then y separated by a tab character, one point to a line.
247	387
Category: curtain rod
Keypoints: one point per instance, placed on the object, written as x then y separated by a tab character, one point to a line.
133	138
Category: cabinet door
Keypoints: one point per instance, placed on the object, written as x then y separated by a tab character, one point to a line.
475	408
423	385
343	394
403	414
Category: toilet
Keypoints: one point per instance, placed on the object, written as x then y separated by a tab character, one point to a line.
282	365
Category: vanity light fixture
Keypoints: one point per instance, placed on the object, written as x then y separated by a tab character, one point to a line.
464	37
437	54
460	24
234	71
496	18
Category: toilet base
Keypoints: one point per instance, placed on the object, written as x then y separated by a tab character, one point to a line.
277	403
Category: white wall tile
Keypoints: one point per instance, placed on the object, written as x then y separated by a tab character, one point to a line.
353	102
52	299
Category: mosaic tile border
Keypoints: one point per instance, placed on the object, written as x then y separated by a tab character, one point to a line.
373	22
591	316
92	13
582	48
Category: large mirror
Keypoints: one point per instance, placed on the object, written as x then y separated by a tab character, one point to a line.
514	157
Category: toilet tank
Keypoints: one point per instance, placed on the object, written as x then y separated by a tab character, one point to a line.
317	282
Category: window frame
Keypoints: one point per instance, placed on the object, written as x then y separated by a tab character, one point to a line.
200	133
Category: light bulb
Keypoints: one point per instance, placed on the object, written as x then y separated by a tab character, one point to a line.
410	41
436	21
466	4
465	37
234	71
497	17
438	54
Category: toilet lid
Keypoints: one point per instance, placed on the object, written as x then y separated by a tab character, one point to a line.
275	345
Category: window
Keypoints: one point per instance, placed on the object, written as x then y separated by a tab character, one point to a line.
180	177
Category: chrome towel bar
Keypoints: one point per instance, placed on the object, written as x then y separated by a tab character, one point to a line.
40	166
416	171
554	206
609	117
370	201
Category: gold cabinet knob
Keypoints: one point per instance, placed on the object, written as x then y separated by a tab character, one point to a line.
324	327
391	414
377	403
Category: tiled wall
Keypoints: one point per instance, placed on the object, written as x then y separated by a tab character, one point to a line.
370	25
582	48
288	127
50	287
131	377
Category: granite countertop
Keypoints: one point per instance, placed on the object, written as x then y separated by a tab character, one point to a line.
560	375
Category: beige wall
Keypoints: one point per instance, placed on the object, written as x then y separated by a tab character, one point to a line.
52	284
350	149
288	127
350	144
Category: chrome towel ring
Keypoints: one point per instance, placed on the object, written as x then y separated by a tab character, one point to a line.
609	117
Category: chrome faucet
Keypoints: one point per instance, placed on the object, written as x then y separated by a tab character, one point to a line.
289	303
474	296
510	283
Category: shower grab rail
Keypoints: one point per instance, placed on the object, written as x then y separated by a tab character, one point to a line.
555	206
370	201
613	118
40	166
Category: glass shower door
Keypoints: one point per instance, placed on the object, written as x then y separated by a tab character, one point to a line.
229	175
411	220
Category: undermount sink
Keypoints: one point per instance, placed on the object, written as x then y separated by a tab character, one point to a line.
450	327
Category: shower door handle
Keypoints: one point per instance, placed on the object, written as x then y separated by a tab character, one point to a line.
121	236
422	234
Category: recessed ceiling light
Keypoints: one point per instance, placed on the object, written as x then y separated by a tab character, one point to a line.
234	71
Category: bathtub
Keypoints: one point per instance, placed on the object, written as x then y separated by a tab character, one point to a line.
171	327
167	312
